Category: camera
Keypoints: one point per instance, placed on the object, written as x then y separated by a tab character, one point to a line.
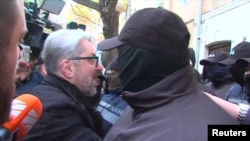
36	36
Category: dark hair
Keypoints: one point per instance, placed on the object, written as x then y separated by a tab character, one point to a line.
72	25
82	26
192	56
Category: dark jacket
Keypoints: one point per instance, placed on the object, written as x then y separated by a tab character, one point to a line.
237	94
111	108
222	89
173	109
204	88
66	115
36	79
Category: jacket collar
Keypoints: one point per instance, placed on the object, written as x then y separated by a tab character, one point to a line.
177	84
62	84
75	94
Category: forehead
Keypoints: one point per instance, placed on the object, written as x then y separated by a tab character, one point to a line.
88	47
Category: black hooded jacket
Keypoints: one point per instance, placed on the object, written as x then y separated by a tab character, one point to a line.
164	101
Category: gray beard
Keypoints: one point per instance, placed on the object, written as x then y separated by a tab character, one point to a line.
91	92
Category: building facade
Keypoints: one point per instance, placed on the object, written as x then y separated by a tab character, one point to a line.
213	24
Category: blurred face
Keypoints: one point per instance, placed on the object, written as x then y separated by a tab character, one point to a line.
8	67
86	70
113	80
23	71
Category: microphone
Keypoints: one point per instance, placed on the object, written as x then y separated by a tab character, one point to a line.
25	111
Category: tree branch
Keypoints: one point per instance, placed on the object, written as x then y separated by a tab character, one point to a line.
89	3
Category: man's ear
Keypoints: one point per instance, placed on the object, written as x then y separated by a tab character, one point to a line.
66	68
43	69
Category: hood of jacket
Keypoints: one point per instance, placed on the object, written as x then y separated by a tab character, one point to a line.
177	84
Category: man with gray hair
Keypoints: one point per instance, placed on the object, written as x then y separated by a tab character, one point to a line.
72	66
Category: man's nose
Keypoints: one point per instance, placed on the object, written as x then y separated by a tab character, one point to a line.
99	68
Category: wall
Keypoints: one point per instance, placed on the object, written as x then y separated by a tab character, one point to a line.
229	22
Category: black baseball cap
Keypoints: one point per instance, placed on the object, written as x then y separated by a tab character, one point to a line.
241	50
155	29
243	62
109	44
215	57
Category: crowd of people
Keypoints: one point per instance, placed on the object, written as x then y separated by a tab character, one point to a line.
151	91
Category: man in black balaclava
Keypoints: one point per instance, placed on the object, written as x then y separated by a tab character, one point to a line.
137	65
243	76
153	65
237	92
215	75
193	61
244	112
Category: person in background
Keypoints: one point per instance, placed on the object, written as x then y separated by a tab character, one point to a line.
82	27
237	93
112	104
240	111
158	82
72	66
72	25
36	78
13	29
192	62
200	82
99	82
26	65
245	63
23	73
216	75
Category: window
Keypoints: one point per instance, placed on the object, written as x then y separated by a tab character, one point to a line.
219	45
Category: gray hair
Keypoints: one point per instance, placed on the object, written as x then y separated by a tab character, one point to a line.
62	44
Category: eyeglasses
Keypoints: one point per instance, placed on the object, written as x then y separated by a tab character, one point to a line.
93	59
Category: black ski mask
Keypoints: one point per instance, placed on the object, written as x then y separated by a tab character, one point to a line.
140	68
217	73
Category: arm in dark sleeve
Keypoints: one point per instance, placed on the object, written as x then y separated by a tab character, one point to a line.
74	123
64	122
